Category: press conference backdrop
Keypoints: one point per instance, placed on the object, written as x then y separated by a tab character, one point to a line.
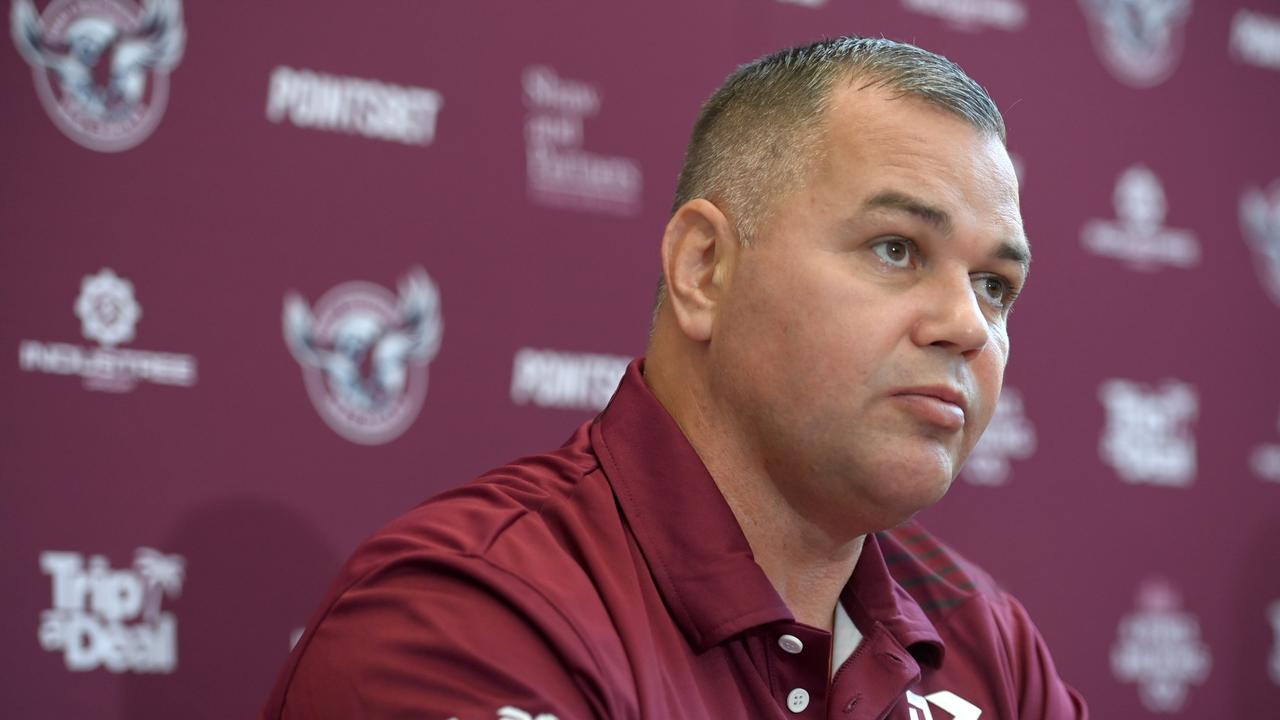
275	272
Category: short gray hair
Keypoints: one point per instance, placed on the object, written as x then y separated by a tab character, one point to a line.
762	130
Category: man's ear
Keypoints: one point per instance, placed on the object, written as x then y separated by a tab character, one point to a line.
699	249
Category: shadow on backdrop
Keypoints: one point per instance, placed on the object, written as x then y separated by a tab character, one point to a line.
234	623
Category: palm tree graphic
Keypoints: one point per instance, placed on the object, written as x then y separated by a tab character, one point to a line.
163	575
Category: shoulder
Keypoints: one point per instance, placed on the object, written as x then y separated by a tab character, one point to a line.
476	593
514	531
476	524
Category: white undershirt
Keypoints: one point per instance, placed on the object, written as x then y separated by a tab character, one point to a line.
845	637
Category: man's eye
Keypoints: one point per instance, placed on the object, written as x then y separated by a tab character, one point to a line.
994	290
897	252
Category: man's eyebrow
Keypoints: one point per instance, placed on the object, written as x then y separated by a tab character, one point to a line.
902	202
939	218
1019	253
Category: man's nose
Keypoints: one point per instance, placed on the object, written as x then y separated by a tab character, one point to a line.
952	317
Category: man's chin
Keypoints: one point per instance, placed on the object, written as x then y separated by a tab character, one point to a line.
887	505
915	491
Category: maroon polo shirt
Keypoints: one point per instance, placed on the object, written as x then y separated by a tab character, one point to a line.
608	579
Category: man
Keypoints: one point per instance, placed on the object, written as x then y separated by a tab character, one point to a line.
731	537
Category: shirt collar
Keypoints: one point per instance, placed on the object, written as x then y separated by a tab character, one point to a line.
872	595
695	549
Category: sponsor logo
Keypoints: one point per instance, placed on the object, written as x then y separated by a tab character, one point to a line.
1140	41
107	310
109	315
1158	647
508	712
367	108
1147	439
364	354
1260	223
973	14
1138	236
1273	614
102	67
1009	435
109	618
957	707
1255	39
1265	460
514	713
556	379
559	172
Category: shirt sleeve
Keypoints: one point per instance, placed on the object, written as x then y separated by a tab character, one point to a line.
1043	694
440	641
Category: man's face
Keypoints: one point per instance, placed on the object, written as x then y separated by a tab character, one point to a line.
861	339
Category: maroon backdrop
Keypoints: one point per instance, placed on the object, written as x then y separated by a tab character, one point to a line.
273	273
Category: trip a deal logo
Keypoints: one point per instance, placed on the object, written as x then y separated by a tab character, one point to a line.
101	67
112	618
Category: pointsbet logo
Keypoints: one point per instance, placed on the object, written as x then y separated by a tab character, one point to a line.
112	618
355	106
559	379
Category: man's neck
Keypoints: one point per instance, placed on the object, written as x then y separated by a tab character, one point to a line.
807	565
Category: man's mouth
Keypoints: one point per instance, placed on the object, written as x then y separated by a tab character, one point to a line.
940	405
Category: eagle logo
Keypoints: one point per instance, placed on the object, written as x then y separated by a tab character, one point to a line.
1139	40
364	354
1260	220
101	67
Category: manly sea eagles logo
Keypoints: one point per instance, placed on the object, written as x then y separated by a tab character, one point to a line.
102	66
364	354
1260	220
1139	40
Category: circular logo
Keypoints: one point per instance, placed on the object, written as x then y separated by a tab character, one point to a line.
364	354
106	308
101	67
1140	41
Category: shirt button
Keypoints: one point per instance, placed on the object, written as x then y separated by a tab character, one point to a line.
798	700
791	644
